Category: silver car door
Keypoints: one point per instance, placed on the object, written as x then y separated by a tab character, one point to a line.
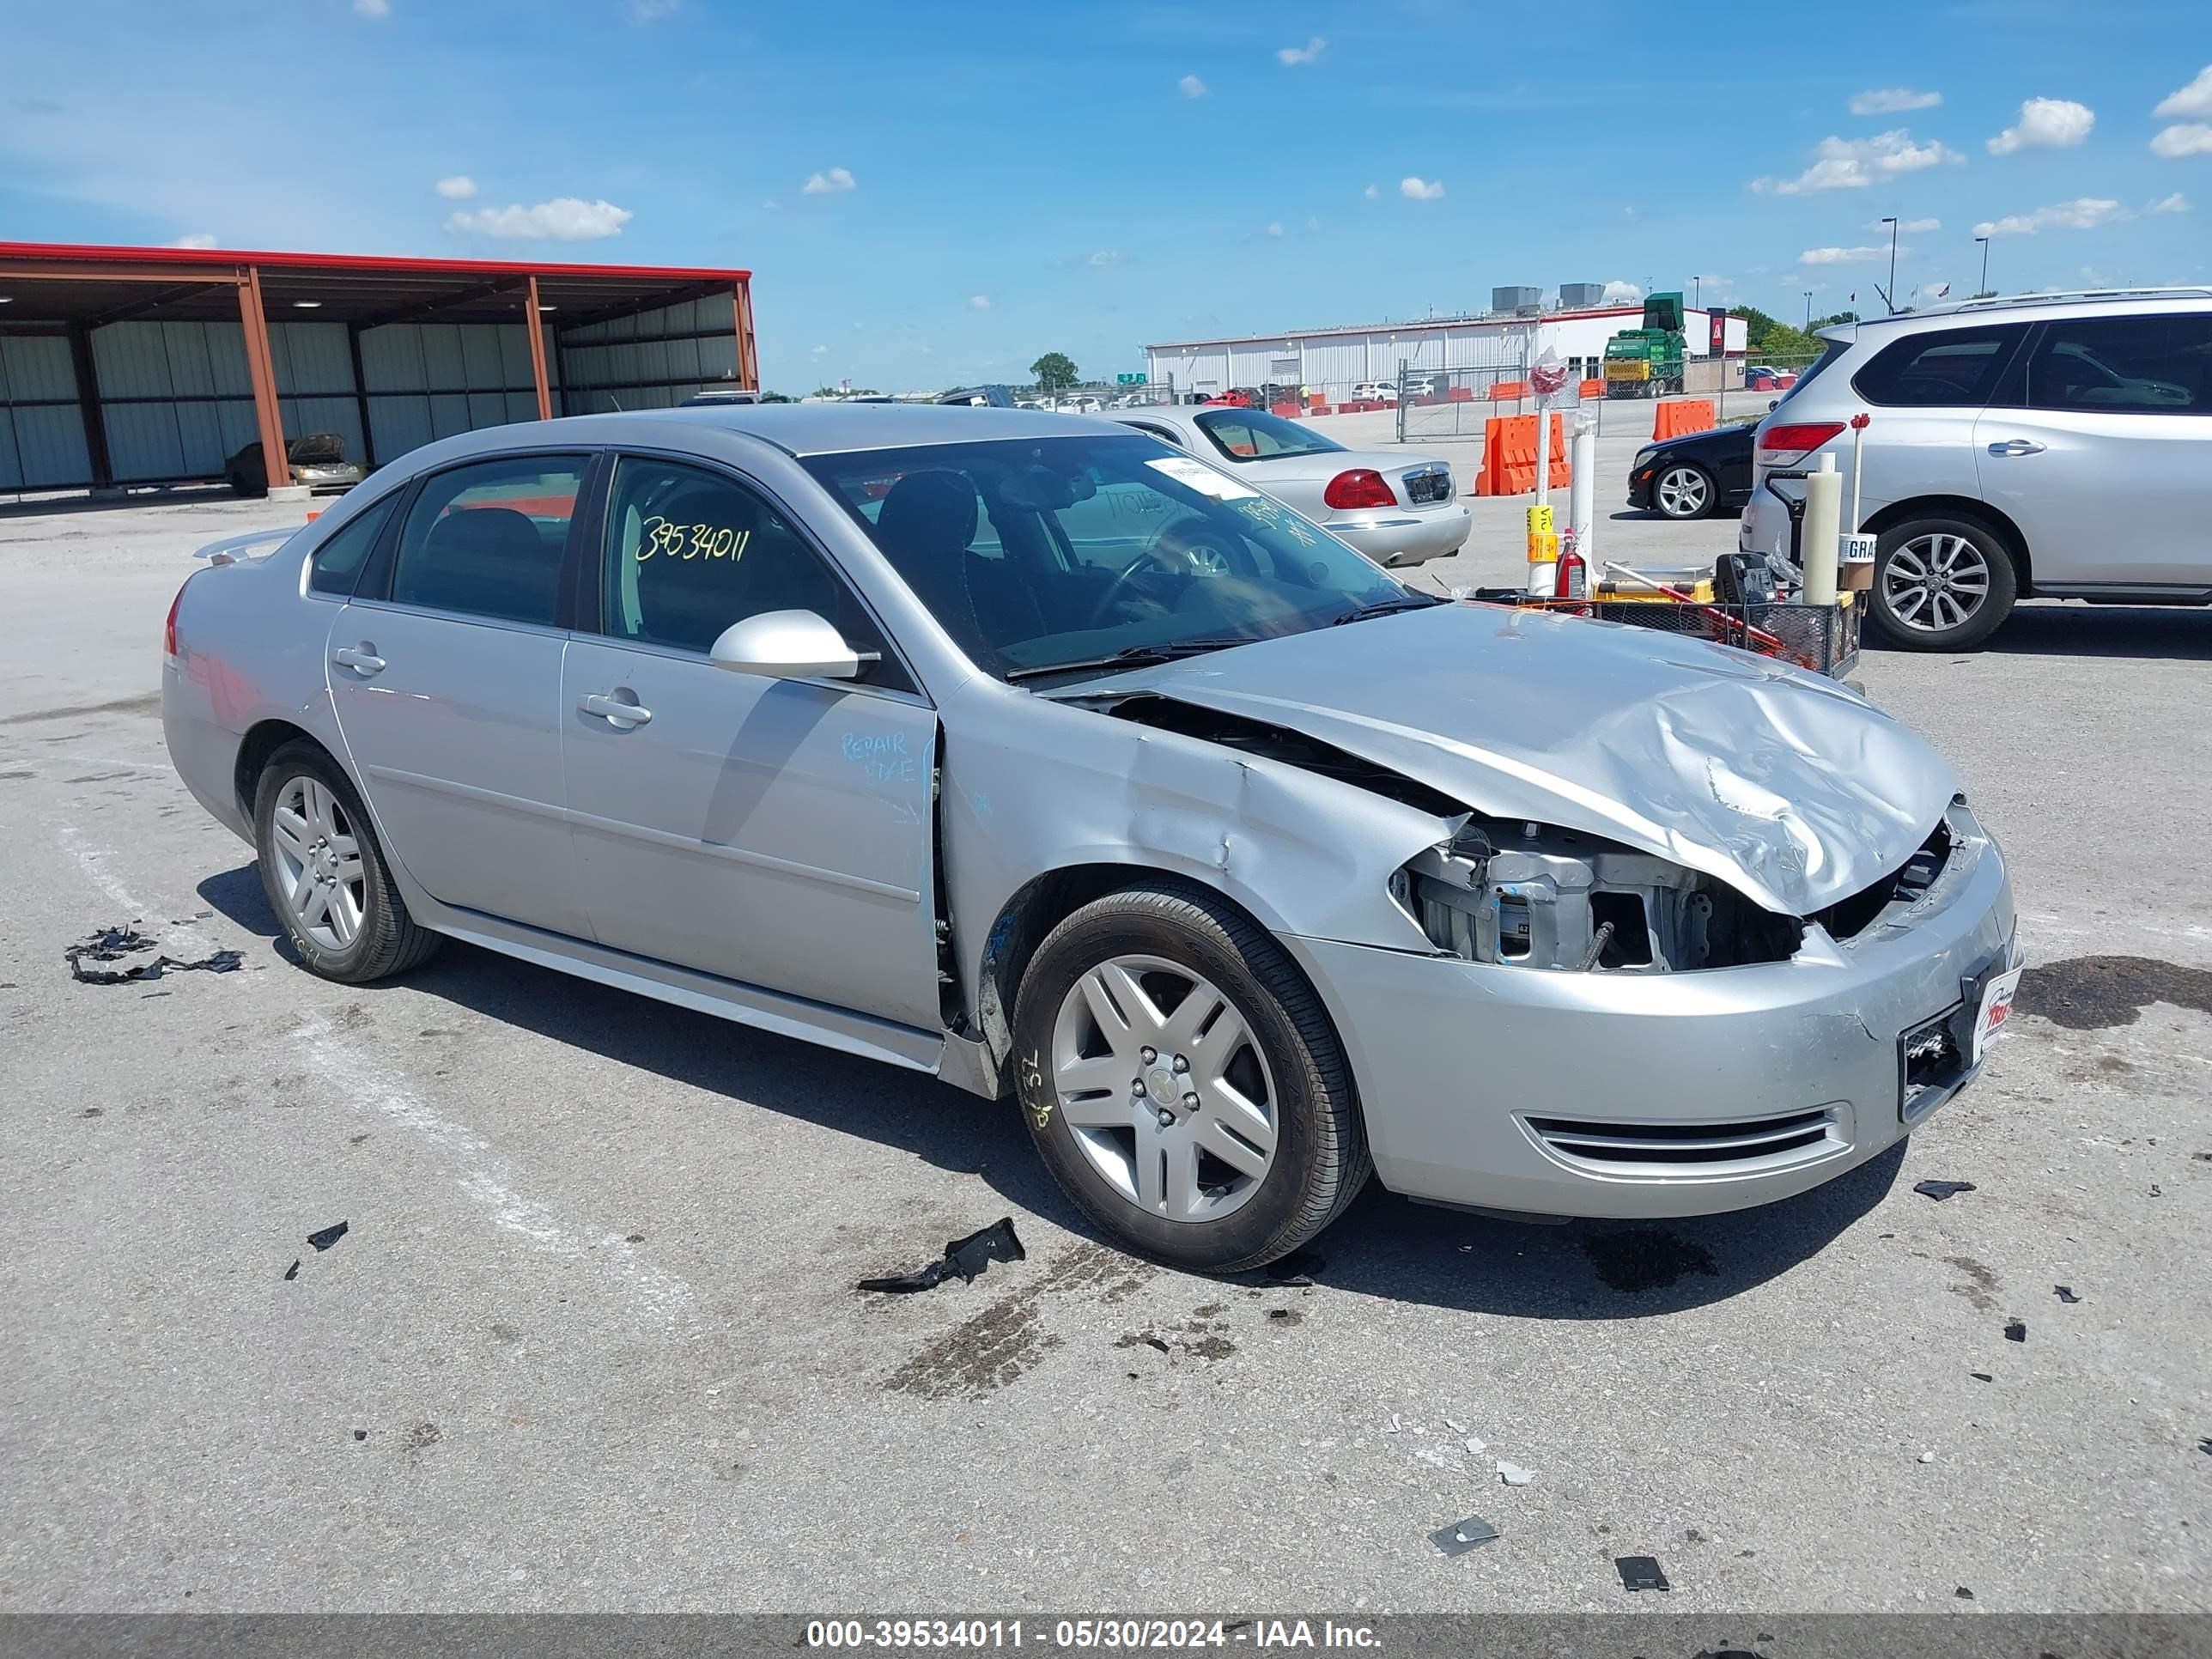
1924	393
775	832
445	671
2103	465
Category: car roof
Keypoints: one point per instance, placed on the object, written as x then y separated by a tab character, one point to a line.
2003	308
831	428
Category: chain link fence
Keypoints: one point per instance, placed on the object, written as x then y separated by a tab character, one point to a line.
1456	403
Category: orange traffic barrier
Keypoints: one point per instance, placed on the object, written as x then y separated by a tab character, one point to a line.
1593	389
1683	416
1288	411
1460	394
1509	456
1500	391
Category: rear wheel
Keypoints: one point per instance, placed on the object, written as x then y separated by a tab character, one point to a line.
1942	584
1684	491
325	874
1183	1081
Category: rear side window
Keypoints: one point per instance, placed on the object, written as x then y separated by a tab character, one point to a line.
335	567
1252	435
1949	368
486	540
2124	365
1826	360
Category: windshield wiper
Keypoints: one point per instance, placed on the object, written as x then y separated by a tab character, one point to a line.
1134	656
1387	607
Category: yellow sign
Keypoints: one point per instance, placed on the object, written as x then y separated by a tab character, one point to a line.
1539	519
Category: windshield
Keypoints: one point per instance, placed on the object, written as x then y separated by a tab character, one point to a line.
1253	435
1035	553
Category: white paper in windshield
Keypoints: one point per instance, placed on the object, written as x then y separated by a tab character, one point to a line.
1202	479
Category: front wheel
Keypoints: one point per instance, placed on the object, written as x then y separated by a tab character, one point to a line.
326	875
1942	584
1183	1083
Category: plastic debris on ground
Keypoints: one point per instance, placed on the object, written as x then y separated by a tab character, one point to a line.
292	1272
1298	1268
1640	1572
1474	1445
2016	1331
964	1258
1940	1190
2065	1293
327	1237
114	944
1514	1475
1981	1376
1463	1535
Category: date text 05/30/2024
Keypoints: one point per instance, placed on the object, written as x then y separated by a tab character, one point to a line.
1113	1635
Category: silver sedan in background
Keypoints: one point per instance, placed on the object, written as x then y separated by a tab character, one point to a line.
1031	752
1397	508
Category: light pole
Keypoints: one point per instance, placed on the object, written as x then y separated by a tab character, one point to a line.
1984	288
1809	311
1890	298
1697	293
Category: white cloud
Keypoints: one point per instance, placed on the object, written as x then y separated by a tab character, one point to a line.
827	184
1909	227
1275	229
2176	203
979	302
652	11
563	219
2046	124
1191	86
1313	222
1848	256
2195	99
1854	163
2183	139
1618	293
459	188
819	351
372	8
1420	190
201	239
1892	100
2083	213
1372	192
1106	256
1289	56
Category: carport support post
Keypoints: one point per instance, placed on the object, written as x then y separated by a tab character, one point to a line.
535	326
261	370
89	411
741	307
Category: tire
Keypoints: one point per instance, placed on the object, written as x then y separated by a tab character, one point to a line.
1914	556
361	931
1683	491
1283	1067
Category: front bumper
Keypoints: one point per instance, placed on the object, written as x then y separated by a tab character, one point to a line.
1465	1070
1409	535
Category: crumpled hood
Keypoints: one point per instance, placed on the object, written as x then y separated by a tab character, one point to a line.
1786	786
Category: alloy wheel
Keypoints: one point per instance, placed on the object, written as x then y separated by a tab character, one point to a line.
1934	583
1159	1078
1683	492
319	860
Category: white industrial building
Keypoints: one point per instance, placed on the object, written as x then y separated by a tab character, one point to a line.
1339	357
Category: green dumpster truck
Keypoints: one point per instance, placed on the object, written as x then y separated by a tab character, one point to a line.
1647	361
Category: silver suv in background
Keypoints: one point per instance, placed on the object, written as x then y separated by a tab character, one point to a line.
2045	446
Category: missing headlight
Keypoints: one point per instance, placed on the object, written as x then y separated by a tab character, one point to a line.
1537	897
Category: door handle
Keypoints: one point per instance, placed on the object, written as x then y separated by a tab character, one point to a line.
361	659
617	710
2016	446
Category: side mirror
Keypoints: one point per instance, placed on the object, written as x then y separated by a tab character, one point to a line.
788	645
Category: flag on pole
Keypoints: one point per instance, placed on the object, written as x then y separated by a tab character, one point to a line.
1944	292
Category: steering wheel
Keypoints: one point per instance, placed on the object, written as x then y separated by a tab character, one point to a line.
1201	551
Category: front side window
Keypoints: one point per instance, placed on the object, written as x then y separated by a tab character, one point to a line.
2158	365
1949	368
1252	435
690	552
335	567
1106	548
486	539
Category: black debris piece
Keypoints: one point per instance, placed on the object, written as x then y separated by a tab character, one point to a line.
361	1434
1640	1572
2016	1331
966	1257
1981	1376
1963	1594
1298	1268
1461	1536
2065	1293
327	1237
292	1272
1152	1342
2205	1445
1940	1190
113	944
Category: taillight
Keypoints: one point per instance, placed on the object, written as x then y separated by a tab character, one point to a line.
1361	487
169	628
1792	440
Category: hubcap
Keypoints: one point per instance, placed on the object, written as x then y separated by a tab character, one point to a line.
1156	1073
1682	492
319	863
1934	582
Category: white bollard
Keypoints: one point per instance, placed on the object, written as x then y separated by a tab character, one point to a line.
1582	497
1824	512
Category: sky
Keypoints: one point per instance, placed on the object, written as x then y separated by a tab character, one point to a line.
930	194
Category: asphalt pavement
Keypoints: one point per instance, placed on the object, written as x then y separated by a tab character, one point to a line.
590	1339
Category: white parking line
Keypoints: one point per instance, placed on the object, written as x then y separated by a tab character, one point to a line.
182	939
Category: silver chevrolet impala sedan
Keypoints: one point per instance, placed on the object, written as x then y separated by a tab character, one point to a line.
1043	756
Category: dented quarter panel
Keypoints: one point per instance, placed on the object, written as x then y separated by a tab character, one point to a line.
1786	786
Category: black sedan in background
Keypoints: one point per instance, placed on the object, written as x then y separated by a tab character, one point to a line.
1697	475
